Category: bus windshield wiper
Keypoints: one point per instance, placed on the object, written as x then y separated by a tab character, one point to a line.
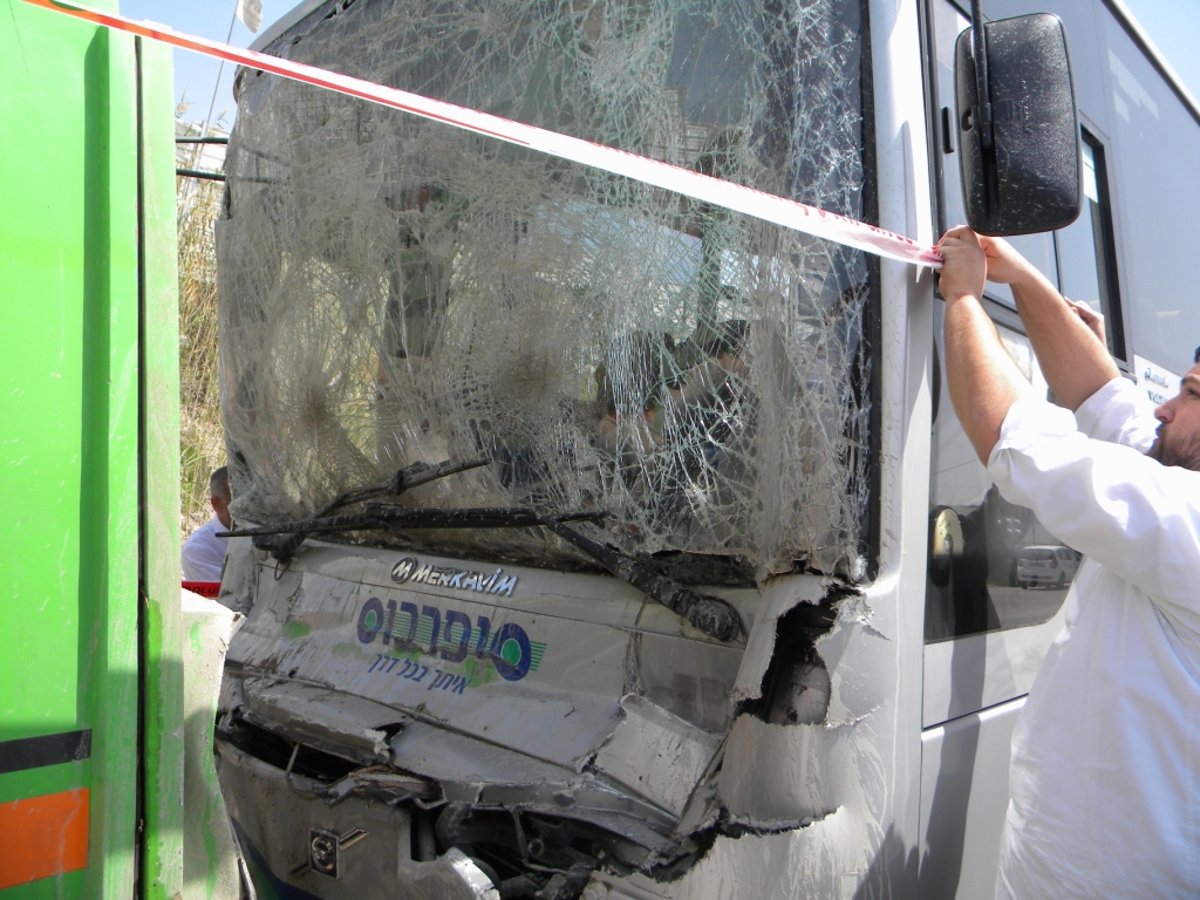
712	615
411	476
715	617
414	475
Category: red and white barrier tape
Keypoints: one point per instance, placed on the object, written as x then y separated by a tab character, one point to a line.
769	207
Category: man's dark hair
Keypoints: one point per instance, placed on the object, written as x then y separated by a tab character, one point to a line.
1196	358
218	484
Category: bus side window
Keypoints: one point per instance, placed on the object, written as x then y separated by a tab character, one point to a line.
992	565
1087	253
977	538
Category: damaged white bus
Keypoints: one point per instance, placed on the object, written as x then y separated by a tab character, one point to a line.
598	542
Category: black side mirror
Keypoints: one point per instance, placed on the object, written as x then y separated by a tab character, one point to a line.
1017	125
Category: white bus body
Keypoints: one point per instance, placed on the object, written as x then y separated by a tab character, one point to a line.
490	712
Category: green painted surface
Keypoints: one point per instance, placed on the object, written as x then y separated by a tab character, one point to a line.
70	885
162	638
294	630
210	858
72	445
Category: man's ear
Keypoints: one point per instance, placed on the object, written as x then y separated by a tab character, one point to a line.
221	508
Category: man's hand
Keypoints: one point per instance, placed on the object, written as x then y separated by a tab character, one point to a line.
1063	335
1004	264
1091	319
964	265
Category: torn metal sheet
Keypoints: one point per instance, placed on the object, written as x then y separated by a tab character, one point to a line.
857	653
330	720
816	752
657	755
783	776
778	597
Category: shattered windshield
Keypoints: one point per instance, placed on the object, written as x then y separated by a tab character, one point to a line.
395	291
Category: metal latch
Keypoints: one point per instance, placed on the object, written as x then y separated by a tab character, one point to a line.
325	850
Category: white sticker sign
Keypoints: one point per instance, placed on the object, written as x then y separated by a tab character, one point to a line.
1159	384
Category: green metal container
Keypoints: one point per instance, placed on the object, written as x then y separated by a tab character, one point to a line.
90	680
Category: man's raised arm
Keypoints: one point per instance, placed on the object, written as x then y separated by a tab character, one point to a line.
984	381
1076	364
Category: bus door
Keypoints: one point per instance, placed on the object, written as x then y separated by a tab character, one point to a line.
996	577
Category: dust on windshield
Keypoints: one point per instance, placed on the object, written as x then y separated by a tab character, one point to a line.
395	291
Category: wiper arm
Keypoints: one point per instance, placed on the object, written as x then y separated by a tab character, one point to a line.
712	615
410	476
413	475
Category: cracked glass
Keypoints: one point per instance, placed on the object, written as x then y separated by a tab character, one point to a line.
396	291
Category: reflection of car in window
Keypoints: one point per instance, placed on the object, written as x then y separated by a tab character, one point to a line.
1046	564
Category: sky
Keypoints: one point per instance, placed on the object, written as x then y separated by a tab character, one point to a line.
1173	26
197	89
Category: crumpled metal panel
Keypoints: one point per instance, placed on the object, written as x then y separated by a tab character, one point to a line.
329	720
362	846
819	802
611	675
855	682
808	766
464	765
649	775
656	754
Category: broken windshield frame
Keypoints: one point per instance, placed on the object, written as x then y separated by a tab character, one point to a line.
390	515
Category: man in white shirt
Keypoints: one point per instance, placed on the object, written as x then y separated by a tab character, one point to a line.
204	552
1105	775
